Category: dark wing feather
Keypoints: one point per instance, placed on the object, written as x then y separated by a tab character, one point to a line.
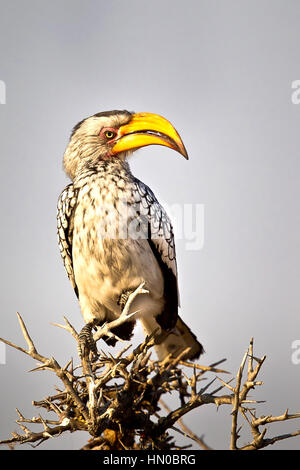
162	243
65	211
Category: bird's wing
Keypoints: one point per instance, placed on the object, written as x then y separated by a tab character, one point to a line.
161	240
176	337
65	210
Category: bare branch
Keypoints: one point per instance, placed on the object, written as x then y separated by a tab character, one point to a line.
118	398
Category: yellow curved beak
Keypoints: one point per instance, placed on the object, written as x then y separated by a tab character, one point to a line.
148	129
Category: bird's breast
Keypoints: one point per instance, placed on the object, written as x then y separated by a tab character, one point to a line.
110	240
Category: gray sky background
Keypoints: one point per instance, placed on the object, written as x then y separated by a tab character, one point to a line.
222	72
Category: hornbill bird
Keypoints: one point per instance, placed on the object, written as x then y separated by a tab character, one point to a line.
113	234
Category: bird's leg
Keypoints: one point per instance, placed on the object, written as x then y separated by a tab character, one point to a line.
124	298
86	341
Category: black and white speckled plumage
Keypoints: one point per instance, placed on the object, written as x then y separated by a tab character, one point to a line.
65	211
100	261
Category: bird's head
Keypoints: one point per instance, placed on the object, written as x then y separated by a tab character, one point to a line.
114	135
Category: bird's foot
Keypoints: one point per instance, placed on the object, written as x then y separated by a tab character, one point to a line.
124	298
86	343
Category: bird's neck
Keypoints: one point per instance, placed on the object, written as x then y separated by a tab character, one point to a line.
113	166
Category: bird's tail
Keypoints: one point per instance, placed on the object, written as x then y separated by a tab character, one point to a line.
175	341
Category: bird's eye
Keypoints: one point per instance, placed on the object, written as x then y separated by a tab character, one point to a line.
109	134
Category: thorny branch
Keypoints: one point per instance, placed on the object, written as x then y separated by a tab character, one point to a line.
119	400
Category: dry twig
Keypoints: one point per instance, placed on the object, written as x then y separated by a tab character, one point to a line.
118	399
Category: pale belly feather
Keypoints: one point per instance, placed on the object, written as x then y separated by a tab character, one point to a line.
104	268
